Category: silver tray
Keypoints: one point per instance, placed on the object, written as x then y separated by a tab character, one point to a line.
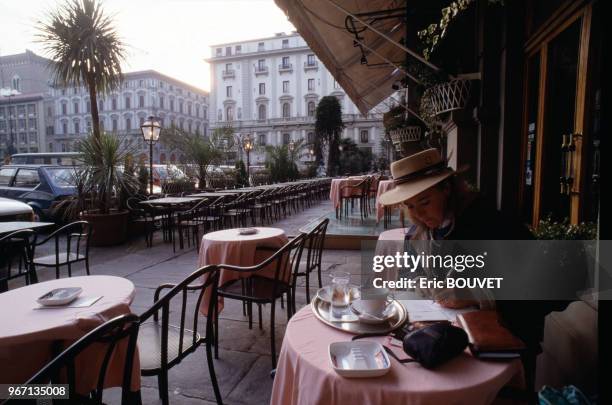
321	311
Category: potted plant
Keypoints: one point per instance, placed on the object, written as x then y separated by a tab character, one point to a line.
106	184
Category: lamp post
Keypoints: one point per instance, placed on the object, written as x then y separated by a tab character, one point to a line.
291	147
150	132
247	144
8	92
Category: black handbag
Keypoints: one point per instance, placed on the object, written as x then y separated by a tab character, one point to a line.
435	344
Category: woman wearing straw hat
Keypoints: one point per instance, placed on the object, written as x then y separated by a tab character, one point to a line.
440	205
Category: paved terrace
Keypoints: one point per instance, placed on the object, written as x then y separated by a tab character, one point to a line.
244	361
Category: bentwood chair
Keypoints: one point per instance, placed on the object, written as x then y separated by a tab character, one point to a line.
259	289
162	344
16	253
108	336
70	246
313	243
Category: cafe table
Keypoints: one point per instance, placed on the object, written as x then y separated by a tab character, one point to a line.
14	226
336	186
230	247
382	210
169	205
31	336
304	374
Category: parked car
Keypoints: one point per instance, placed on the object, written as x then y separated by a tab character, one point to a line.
13	210
39	186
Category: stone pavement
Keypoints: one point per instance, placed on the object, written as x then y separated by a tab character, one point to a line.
244	360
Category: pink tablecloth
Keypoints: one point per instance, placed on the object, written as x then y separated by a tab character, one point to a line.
229	247
304	375
337	184
383	187
27	334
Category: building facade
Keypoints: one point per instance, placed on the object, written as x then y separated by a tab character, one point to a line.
26	107
269	89
122	111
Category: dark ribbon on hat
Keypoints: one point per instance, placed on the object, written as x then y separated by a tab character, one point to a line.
427	171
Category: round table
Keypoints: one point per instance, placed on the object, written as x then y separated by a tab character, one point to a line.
304	374
229	247
30	335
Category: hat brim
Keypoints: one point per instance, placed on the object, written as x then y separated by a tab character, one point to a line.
405	191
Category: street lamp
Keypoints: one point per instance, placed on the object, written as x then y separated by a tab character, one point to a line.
8	92
291	146
247	144
150	132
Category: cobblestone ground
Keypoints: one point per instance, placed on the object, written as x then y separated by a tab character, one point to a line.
244	360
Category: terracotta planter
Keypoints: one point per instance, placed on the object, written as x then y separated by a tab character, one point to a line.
108	229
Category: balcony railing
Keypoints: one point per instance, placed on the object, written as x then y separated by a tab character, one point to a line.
311	65
261	70
229	73
285	67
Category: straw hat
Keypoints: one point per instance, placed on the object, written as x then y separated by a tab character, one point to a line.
414	174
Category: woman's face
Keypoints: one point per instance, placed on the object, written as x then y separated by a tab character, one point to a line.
429	206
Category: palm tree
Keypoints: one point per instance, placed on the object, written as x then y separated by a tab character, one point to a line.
328	127
85	48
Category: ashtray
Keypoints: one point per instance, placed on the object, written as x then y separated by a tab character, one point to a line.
60	296
359	359
247	231
325	293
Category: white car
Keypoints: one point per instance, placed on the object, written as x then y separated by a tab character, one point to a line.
13	210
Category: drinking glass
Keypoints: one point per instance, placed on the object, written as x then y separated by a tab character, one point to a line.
340	293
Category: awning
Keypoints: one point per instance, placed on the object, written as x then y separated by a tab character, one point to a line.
336	31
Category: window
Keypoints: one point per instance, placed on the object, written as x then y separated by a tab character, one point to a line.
77	127
181	106
286	86
128	103
228	50
285	62
171	104
229	114
115	125
128	124
161	101
188	108
87	107
261	64
311	137
286	139
64	109
261	46
228	67
262	89
364	136
262	139
114	103
141	83
311	108
285	43
65	128
286	110
310	59
141	121
141	102
311	84
26	178
197	110
228	91
16	82
219	51
238	48
101	105
76	107
50	147
261	112
6	175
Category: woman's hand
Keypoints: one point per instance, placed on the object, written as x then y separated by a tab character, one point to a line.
456	304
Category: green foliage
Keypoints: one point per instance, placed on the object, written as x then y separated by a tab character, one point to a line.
196	149
242	179
549	229
352	159
328	126
80	38
142	178
280	162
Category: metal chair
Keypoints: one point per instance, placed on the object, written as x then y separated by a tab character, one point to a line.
314	243
258	289
145	218
17	247
108	334
73	235
163	345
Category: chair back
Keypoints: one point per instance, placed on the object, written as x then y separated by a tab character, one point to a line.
315	240
209	280
75	237
16	254
108	334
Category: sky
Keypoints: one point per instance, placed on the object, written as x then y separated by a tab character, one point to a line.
170	36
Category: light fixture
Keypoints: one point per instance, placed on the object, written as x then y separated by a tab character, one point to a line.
151	129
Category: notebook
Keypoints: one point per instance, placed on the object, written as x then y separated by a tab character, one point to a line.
488	337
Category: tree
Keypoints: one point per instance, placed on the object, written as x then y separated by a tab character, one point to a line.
353	160
280	161
242	179
85	48
223	140
328	126
196	149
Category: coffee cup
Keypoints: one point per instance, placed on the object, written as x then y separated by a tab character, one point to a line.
374	302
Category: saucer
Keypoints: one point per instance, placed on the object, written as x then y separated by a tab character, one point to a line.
247	231
387	314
